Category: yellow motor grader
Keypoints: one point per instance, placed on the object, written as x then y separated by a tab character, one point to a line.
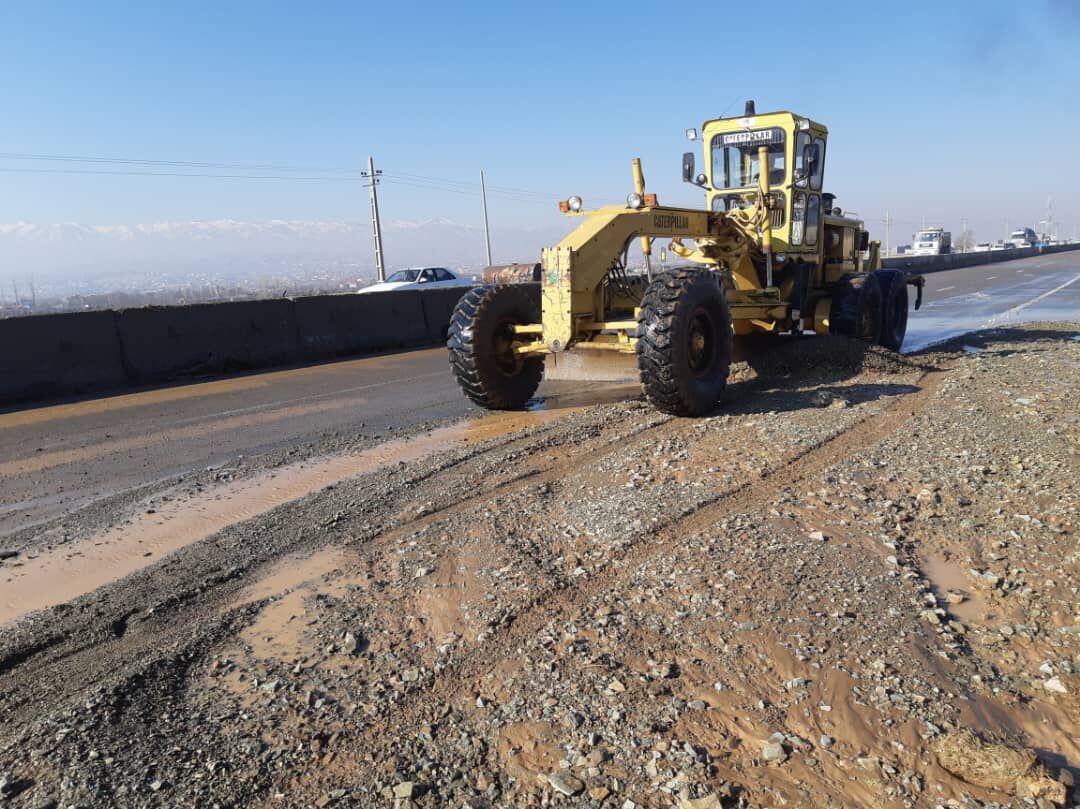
771	254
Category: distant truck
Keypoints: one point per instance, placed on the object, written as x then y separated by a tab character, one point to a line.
1023	237
931	242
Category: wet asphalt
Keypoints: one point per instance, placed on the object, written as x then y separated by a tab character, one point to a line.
60	456
1043	288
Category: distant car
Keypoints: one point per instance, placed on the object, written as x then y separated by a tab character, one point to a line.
419	278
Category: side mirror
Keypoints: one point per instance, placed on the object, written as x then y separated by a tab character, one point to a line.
688	167
864	241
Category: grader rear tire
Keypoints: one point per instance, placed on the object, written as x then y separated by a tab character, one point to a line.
684	341
894	295
857	309
480	341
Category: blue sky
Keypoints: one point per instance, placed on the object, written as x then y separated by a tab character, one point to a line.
936	109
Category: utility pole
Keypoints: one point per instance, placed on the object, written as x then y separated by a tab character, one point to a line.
963	234
376	226
33	296
888	232
487	227
15	289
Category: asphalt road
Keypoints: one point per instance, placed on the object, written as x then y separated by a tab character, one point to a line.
957	301
60	457
57	458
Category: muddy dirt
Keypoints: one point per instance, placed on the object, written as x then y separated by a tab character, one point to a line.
854	585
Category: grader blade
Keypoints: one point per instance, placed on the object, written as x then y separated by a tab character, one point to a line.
590	366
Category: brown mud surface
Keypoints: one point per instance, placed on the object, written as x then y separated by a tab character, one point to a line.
855	585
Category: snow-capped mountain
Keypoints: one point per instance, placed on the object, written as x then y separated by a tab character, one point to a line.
59	248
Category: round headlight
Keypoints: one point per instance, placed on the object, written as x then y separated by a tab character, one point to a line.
633	200
575	204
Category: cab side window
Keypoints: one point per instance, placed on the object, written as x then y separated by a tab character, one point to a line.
813	218
809	160
802	140
443	275
819	164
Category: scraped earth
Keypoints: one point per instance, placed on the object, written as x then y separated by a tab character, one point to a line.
856	585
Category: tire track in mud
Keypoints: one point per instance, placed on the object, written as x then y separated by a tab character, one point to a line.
74	654
564	602
191	619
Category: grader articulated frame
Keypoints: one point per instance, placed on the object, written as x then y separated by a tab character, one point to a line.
771	254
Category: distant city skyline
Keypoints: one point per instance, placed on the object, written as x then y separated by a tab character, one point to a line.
937	111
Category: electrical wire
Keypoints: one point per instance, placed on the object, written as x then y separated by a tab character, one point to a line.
174	163
17	170
251	172
490	187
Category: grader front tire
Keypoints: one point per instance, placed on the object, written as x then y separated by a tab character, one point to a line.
480	341
684	342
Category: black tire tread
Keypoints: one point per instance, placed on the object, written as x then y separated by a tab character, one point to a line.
483	386
656	329
855	294
894	319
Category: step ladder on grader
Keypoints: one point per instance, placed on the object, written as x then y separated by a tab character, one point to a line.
770	254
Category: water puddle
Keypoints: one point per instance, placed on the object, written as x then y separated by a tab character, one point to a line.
955	590
57	576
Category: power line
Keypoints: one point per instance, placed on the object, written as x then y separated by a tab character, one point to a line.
133	161
470	192
12	170
174	163
504	188
400	178
427	186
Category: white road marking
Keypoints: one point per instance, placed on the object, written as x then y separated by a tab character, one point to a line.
1033	301
991	277
946	289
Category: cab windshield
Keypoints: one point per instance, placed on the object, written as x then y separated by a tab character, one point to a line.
928	236
735	157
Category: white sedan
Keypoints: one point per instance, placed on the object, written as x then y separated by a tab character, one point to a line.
420	278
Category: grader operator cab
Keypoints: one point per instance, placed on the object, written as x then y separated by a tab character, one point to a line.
771	254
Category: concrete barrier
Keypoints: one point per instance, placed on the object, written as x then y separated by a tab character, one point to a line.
53	355
954	261
340	325
161	342
438	307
